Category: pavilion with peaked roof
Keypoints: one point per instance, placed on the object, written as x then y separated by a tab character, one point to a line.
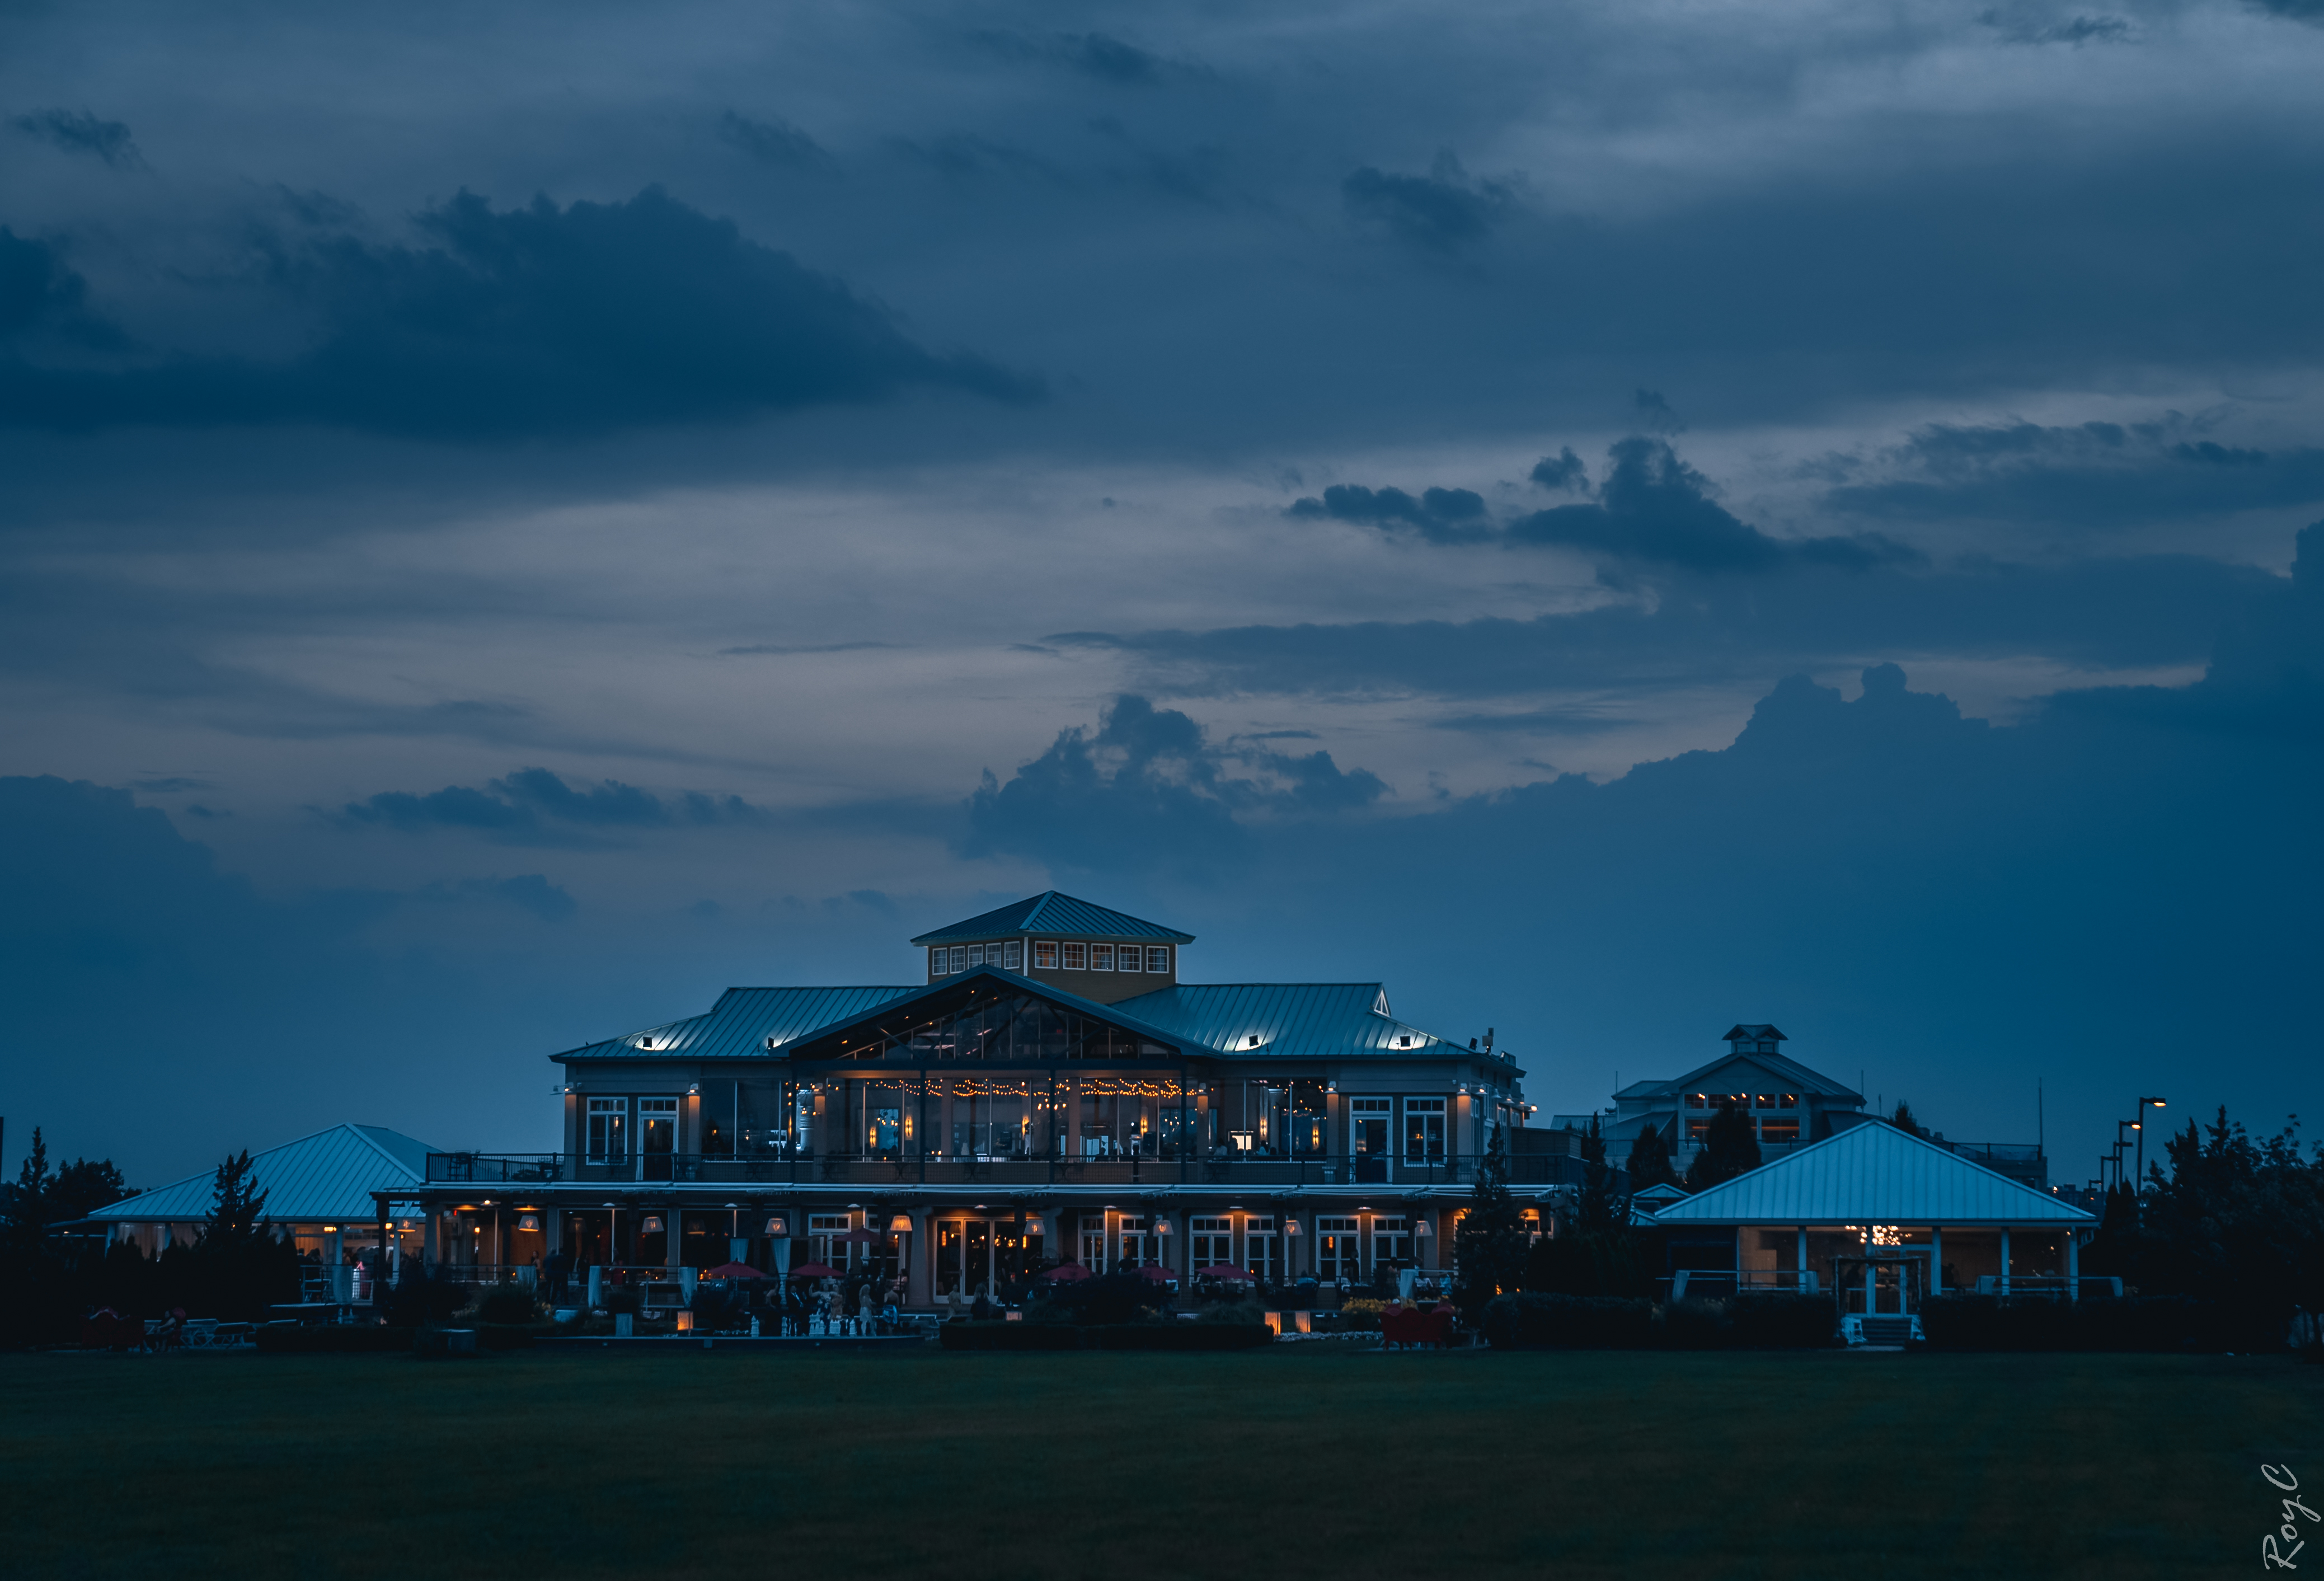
1882	1217
1051	1091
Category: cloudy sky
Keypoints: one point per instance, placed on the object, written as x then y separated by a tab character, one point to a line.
1610	518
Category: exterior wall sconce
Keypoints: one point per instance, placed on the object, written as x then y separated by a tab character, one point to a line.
694	1091
1162	1226
1420	1230
528	1222
1033	1224
778	1225
901	1224
1291	1227
651	1225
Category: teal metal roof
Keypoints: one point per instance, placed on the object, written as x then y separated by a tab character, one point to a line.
1117	1014
1793	1074
324	1178
1290	1019
1052	912
739	1025
1873	1174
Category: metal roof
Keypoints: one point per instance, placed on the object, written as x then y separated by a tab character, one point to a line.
739	1025
1290	1019
1873	1174
1053	912
1113	1014
1790	1071
324	1178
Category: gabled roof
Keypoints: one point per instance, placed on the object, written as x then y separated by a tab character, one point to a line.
1795	1076
324	1178
1873	1174
1052	912
1758	1030
1115	1014
1290	1019
739	1025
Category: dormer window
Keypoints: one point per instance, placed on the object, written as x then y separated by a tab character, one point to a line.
1767	1046
939	961
1101	957
1012	954
1045	955
1157	957
960	957
1076	957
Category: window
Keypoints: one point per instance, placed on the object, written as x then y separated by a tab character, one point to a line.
975	955
825	1232
1101	957
1013	955
1076	957
1697	1101
1093	1239
939	961
1127	959
1212	1240
1368	1124
1158	958
1336	1253
1137	1242
609	1135
959	958
1391	1240
1424	1131
1262	1247
1045	955
1776	1100
1786	1128
1696	1130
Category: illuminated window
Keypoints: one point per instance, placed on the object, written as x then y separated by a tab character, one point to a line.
1045	955
1158	958
608	1130
1126	959
1101	957
1697	1101
1783	1128
1076	957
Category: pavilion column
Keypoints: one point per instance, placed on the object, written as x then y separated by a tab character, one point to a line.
2073	1265
671	1240
1936	1260
431	1250
1073	1120
2005	1260
1800	1280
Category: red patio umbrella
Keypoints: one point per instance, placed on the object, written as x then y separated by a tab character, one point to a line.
814	1270
859	1238
1068	1272
1225	1270
1158	1274
733	1271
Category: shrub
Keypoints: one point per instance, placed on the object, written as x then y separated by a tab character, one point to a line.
2143	1323
1233	1312
507	1303
1362	1313
417	1299
335	1339
1783	1320
1696	1326
961	1335
1529	1321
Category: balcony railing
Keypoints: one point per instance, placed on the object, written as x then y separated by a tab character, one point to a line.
1237	1168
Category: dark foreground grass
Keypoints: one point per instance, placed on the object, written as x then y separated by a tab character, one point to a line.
1290	1463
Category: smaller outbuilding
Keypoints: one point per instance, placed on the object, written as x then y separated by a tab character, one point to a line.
320	1191
1882	1218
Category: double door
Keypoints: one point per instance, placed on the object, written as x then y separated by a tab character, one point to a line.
979	1256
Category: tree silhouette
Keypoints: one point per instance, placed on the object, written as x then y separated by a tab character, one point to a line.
1729	1148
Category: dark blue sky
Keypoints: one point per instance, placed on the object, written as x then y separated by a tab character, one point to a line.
1612	518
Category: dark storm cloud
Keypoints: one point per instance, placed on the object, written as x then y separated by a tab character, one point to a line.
42	300
81	131
1154	774
2091	475
534	807
535	321
772	141
1653	510
1561	472
2130	611
2311	11
1093	55
1446	515
1443	212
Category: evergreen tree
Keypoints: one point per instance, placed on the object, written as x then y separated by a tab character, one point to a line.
237	1205
1489	1249
1650	1161
1902	1120
1600	1208
1729	1148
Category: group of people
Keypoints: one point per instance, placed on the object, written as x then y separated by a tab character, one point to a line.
864	1307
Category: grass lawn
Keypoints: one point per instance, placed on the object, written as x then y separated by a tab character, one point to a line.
1290	1463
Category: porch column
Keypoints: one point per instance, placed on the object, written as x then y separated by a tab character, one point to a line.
672	1240
1073	1119
2005	1260
2073	1265
431	1250
1936	1260
1799	1278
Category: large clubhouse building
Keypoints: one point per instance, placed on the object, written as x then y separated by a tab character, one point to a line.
1051	1092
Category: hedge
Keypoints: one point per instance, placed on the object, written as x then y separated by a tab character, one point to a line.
2137	1323
964	1335
333	1339
1752	1321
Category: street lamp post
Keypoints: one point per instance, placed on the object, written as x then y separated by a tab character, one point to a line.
2143	1105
